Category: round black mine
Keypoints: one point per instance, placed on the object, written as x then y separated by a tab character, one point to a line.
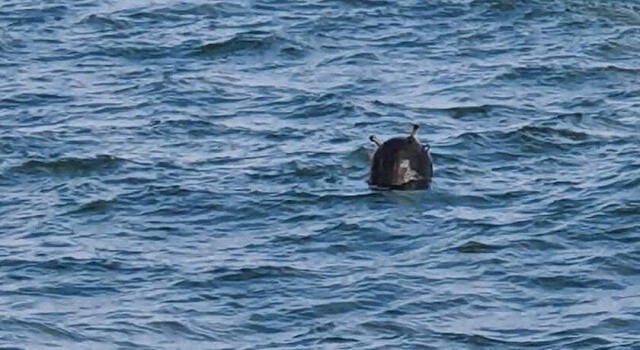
401	163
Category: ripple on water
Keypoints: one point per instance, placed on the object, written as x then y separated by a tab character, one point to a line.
68	166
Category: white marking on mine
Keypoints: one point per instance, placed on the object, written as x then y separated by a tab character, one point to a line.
407	174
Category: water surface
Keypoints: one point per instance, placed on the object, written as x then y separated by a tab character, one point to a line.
191	174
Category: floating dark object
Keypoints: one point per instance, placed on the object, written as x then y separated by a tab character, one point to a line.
401	163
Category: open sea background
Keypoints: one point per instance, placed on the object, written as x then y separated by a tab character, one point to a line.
191	174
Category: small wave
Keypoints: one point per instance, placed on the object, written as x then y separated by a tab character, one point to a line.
467	111
33	99
366	3
569	74
328	308
620	13
592	342
523	140
496	6
630	323
245	274
407	39
20	326
260	272
105	22
365	58
621	264
177	328
303	170
391	328
565	282
69	166
68	290
191	127
550	135
336	340
63	264
95	206
182	11
253	42
470	139
320	108
537	244
476	247
137	51
7	42
242	42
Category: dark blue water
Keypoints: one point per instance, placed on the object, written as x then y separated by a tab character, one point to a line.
191	174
